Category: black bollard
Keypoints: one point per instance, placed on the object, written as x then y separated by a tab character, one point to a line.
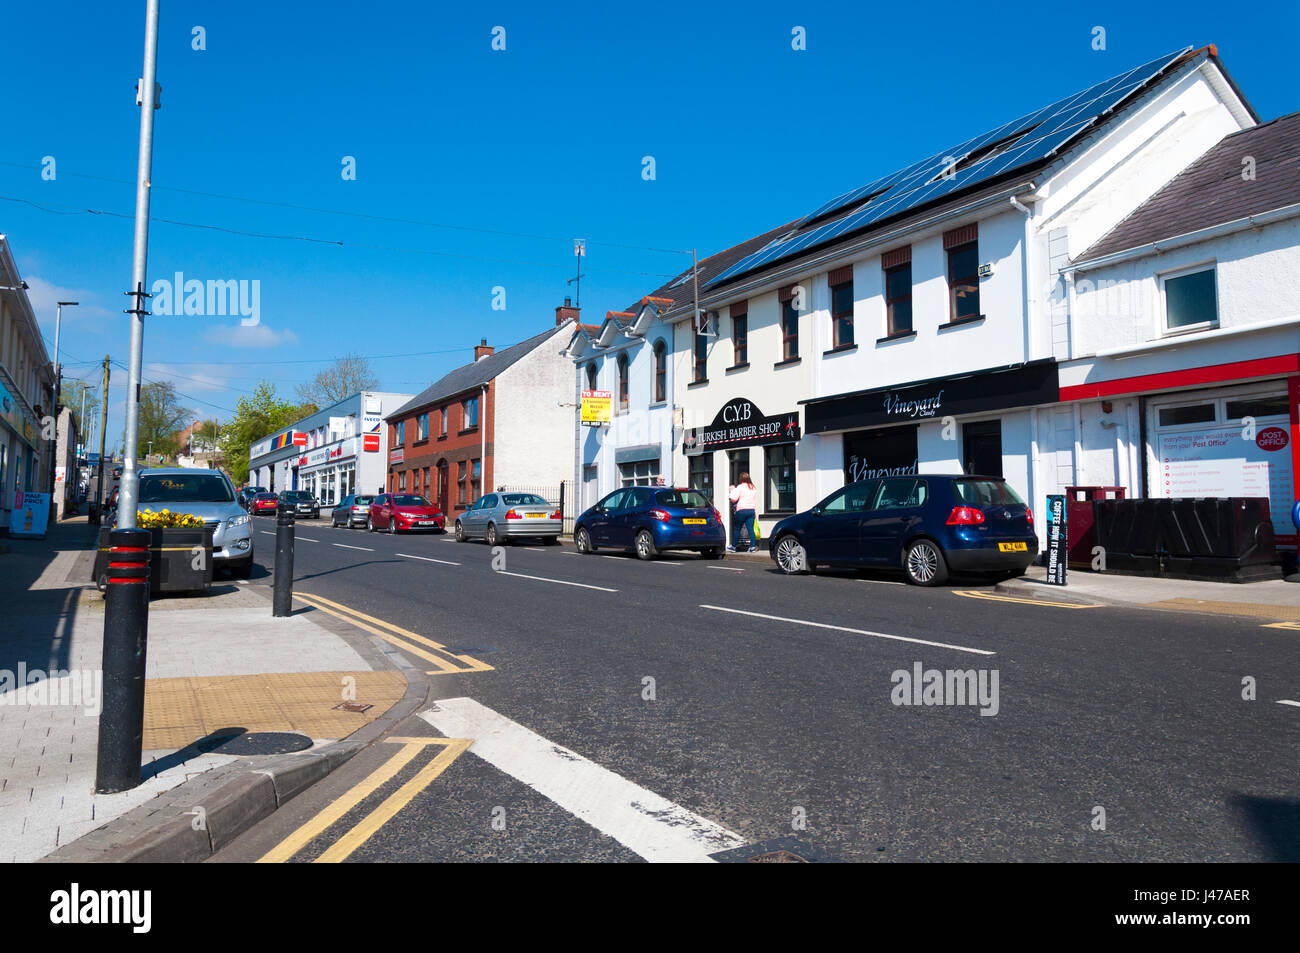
126	636
282	603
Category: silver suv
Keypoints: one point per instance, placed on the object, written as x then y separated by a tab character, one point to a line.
209	495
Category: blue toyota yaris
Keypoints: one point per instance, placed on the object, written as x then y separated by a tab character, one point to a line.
650	520
927	525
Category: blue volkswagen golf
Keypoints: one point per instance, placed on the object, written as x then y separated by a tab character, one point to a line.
927	525
650	520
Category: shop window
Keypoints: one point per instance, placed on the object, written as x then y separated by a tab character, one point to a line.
1187	414
842	311
982	448
898	298
780	478
661	372
701	474
737	463
401	482
1190	301
1276	406
888	451
640	473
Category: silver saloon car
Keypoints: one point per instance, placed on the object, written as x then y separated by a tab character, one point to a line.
503	517
351	511
209	495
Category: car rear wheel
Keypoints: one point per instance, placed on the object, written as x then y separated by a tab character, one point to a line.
645	545
551	540
582	540
791	556
924	564
491	536
717	552
370	524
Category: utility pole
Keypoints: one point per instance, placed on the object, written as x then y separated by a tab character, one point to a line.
103	428
126	599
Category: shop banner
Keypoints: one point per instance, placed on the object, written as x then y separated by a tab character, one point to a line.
1057	541
31	513
741	424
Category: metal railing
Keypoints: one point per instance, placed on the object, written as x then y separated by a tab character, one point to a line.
557	494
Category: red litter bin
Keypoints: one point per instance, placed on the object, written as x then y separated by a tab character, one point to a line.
1079	520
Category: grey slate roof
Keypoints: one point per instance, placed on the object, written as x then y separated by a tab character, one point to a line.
1211	191
470	376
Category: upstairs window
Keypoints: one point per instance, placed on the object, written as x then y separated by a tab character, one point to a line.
422	427
898	290
661	372
591	376
962	246
400	436
444	421
1191	300
789	325
740	334
841	282
469	412
622	383
701	349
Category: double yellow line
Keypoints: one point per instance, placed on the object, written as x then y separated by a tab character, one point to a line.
992	597
364	829
446	663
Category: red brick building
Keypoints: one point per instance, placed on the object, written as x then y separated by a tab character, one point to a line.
505	419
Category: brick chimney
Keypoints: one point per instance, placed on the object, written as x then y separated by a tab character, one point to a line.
566	312
482	349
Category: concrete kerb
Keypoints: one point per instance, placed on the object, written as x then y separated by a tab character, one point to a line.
233	799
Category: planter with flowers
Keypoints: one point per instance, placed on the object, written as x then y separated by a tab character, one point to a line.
180	552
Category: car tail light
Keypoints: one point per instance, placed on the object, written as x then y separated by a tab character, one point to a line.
661	515
1029	516
965	516
512	515
717	515
557	515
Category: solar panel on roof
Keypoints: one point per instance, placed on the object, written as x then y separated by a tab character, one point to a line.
1022	141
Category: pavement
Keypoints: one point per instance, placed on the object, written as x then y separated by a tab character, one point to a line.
218	666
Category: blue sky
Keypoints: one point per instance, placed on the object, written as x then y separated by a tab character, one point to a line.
544	141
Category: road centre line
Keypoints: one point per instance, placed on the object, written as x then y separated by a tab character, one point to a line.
337	809
306	539
993	597
430	559
562	582
844	628
346	546
726	568
644	822
266	532
1287	701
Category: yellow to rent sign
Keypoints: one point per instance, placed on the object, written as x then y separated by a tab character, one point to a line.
596	407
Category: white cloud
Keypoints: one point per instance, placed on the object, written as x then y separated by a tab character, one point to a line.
257	335
201	379
45	297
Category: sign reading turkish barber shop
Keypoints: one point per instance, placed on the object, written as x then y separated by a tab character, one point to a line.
741	424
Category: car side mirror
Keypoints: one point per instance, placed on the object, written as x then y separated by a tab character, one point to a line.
816	511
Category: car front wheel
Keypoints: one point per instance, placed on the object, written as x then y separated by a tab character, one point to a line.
392	525
460	533
924	564
370	524
791	556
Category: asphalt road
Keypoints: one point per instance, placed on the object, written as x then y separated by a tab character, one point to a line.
772	714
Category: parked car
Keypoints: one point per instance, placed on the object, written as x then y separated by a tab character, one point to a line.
927	525
403	511
351	511
651	520
247	494
261	503
209	495
502	517
299	503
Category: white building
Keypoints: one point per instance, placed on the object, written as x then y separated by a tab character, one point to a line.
922	304
336	451
1182	377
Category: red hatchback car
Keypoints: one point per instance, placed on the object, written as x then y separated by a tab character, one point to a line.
263	503
404	511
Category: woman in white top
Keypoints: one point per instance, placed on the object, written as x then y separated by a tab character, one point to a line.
745	497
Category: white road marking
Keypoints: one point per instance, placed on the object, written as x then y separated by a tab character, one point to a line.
306	539
430	559
649	825
725	568
265	532
1287	701
346	546
843	628
884	582
562	582
628	559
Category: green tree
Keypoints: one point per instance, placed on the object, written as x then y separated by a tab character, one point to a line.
256	416
71	396
162	418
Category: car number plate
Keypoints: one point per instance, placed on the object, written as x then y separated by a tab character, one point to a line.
694	522
536	516
1013	547
426	522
